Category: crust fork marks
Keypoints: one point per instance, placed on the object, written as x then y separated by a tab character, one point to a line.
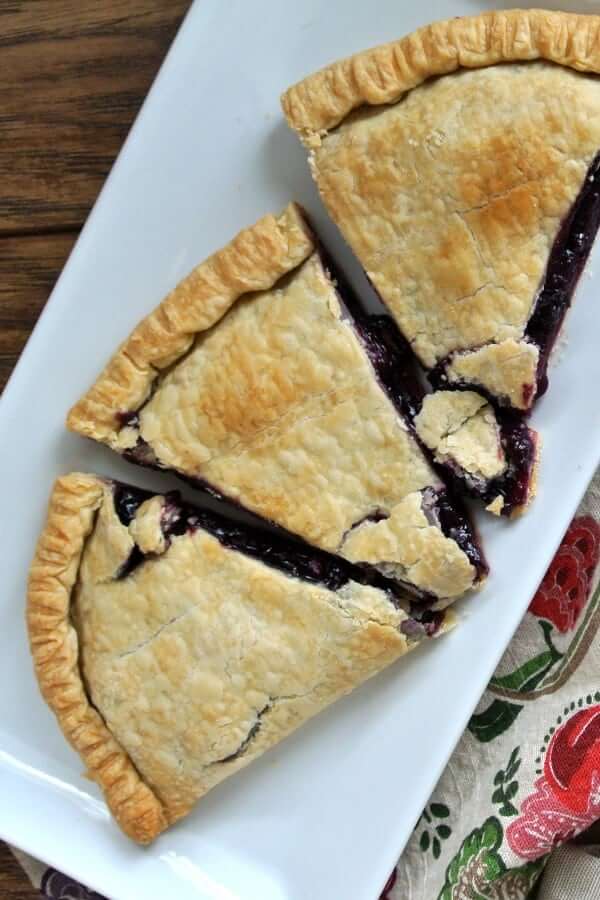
54	648
383	74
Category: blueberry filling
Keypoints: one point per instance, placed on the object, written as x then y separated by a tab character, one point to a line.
393	361
429	623
567	259
277	550
396	369
128	419
519	446
389	353
135	558
127	501
395	364
513	485
452	519
438	379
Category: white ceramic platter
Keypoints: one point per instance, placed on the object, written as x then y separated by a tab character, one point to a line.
325	815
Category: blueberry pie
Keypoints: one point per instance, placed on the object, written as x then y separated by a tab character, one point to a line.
468	190
175	646
259	379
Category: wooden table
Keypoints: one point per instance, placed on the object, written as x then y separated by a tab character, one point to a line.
73	75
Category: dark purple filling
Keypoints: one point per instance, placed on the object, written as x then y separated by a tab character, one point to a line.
438	380
565	265
519	445
567	259
130	419
276	549
396	368
393	361
455	524
429	623
395	364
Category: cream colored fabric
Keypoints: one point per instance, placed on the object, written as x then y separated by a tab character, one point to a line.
572	873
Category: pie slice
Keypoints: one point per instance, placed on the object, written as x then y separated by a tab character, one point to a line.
257	381
468	190
175	646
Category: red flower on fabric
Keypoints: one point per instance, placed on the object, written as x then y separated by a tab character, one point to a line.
566	799
572	764
566	585
543	824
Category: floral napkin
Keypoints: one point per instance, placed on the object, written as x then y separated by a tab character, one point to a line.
525	777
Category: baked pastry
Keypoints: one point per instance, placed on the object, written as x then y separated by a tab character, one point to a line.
472	204
470	198
491	455
175	646
256	380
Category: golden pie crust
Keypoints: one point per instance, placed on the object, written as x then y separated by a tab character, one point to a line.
452	190
171	678
267	395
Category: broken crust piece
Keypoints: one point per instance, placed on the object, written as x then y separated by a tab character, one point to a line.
492	455
258	380
173	662
471	199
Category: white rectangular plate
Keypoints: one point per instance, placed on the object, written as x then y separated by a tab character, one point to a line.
326	814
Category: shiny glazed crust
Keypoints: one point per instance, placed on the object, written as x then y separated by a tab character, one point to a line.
55	650
452	199
253	261
383	74
196	662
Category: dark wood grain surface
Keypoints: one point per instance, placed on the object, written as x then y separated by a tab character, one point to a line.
14	884
72	78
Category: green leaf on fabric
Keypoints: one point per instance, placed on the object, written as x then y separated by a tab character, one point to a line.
547	629
437	848
424	842
477	861
440	810
512	883
507	789
528	676
513	769
494	720
443	831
